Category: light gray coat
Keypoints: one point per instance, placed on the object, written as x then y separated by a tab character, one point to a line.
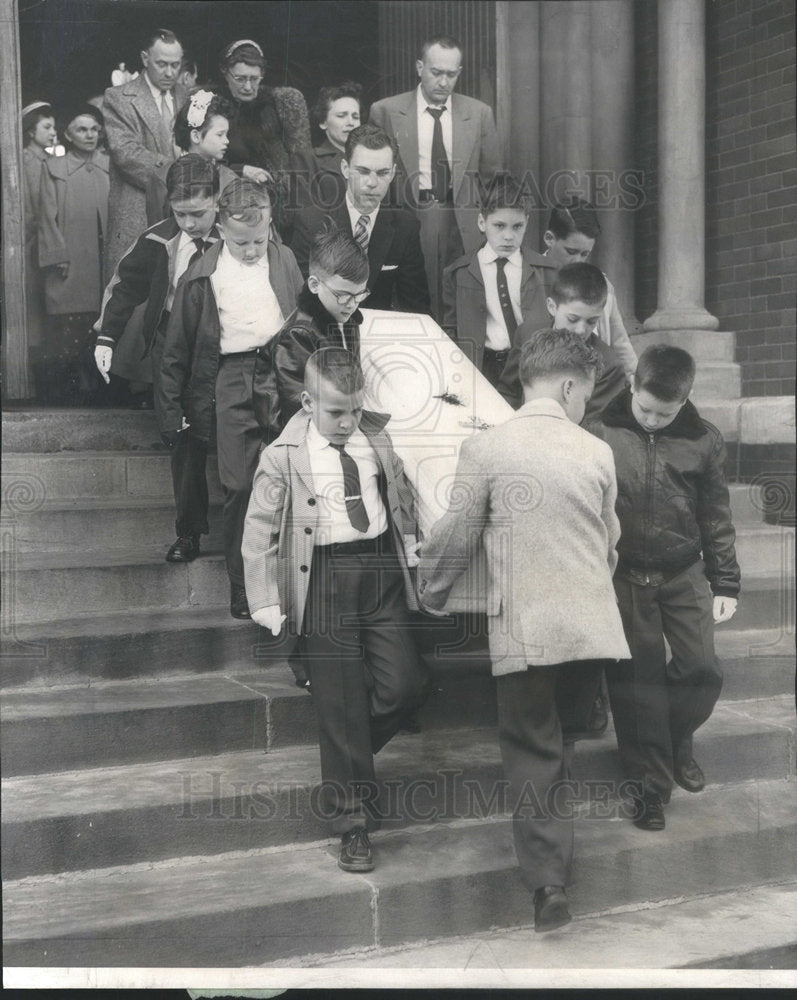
541	492
281	522
139	143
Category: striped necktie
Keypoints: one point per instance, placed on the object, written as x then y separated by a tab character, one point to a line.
361	232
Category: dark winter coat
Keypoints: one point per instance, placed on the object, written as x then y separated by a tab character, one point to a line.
672	497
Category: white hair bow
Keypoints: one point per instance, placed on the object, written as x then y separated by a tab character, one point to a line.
198	108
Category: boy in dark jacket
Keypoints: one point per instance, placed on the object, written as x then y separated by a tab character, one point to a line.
326	316
149	272
677	575
227	308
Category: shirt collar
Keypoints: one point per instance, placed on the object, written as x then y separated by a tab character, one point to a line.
226	259
488	256
156	93
423	104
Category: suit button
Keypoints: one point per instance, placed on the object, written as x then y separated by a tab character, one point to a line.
308	531
311	501
302	569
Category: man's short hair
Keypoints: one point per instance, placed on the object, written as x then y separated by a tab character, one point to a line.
580	283
574	215
557	352
666	372
334	365
336	252
505	192
165	35
246	201
369	136
444	41
192	176
328	95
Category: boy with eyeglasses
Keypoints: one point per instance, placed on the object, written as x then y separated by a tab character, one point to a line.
326	315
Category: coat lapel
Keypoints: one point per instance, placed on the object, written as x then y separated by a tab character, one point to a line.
149	112
379	244
463	128
405	127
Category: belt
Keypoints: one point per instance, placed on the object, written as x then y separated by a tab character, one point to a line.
353	548
427	195
242	354
500	357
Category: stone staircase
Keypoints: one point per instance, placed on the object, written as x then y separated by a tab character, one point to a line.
160	766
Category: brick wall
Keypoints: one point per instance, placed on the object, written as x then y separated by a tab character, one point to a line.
751	183
752	186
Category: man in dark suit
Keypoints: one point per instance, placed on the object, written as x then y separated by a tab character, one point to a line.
390	236
447	148
138	126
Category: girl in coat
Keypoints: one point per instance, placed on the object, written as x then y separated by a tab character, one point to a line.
72	226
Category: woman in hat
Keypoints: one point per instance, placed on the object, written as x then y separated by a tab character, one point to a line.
270	127
38	136
72	227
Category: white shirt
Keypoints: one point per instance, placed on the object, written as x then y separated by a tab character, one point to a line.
355	214
186	248
249	312
425	133
497	336
333	520
159	95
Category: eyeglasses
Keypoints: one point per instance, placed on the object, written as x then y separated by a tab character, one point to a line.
241	81
346	298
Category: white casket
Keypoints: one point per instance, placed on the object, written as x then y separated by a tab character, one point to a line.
436	399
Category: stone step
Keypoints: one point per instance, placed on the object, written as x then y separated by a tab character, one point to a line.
106	526
747	505
91	723
32	479
764	549
259	906
752	420
705	346
752	928
105	816
59	430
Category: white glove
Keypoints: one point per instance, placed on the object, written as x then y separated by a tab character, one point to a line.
270	618
724	609
411	547
256	174
102	358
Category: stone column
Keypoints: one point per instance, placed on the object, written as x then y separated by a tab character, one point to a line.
566	106
681	165
612	146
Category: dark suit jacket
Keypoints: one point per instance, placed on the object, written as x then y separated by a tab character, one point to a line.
475	154
397	278
465	300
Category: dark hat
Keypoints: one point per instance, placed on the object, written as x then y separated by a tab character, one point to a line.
75	110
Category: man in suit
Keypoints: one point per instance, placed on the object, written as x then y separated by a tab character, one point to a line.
390	236
540	493
139	116
448	147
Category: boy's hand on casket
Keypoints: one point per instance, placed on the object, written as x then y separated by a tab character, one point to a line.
269	618
724	609
411	547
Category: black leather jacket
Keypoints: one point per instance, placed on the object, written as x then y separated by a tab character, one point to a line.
672	497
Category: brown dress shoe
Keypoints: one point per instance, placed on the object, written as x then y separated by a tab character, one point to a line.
689	776
550	908
185	549
648	811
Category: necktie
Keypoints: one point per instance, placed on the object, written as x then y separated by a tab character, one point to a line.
201	247
355	507
166	113
441	171
361	232
503	296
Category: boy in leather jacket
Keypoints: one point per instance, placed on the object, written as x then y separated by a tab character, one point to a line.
677	575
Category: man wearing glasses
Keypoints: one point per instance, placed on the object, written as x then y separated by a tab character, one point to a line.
389	236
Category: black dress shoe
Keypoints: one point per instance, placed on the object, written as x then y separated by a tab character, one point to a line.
239	606
550	908
185	549
355	852
689	776
648	811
